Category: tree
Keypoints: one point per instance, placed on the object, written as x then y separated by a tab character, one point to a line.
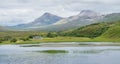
31	36
0	41
13	40
51	35
7	38
24	39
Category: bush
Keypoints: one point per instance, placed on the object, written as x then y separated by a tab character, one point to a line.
0	41
51	35
24	39
13	40
6	38
31	36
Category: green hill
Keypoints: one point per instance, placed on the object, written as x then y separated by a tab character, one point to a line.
104	30
92	31
113	32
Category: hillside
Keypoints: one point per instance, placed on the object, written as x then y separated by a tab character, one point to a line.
113	32
101	30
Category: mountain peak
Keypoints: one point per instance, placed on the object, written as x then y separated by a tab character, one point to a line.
47	14
88	13
46	19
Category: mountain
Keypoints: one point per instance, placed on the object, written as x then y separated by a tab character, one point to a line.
3	29
50	22
45	19
111	17
85	17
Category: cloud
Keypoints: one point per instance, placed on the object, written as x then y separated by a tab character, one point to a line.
14	12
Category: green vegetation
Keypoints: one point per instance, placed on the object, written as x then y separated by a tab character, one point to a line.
105	31
91	31
51	35
24	39
54	51
113	32
19	36
98	32
55	39
13	40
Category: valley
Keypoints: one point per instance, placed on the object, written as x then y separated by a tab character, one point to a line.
87	26
98	32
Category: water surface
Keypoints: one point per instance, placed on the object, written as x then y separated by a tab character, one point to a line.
77	54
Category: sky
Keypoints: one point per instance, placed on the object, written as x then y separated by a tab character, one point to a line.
13	12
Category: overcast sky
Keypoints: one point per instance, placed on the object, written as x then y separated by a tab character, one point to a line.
13	12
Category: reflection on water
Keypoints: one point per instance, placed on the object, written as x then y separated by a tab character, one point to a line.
15	54
88	51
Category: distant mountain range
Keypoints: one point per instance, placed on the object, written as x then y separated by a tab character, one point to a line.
45	19
51	22
3	28
85	17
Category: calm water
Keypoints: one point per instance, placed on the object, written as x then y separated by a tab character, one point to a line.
17	54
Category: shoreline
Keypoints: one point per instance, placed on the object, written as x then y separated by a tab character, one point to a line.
62	39
68	44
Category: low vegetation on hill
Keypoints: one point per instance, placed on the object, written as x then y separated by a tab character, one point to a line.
113	32
94	30
105	31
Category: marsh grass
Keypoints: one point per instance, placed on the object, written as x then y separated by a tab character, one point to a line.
54	51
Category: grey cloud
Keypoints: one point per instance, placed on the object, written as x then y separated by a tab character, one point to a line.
22	11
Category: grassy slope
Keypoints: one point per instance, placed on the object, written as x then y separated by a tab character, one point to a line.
112	34
108	32
93	30
17	34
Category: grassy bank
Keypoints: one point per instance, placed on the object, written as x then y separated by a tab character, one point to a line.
62	39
